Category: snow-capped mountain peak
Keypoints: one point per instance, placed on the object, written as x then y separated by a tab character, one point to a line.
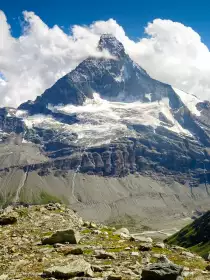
110	43
104	101
107	117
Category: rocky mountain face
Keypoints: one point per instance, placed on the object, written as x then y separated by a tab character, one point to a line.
52	242
109	119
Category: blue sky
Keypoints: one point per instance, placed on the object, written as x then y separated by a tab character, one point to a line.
133	15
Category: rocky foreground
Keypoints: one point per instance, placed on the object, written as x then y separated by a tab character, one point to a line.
52	242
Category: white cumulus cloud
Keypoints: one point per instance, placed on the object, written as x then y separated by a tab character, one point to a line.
170	52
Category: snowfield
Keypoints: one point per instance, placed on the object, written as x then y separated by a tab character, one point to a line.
102	121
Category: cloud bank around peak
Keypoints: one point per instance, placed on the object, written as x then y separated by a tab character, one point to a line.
170	52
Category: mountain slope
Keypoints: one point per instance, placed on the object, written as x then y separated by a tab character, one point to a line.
195	236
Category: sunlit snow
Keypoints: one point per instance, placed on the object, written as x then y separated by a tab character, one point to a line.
106	120
189	100
102	121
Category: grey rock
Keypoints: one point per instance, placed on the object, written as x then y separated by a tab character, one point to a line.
135	254
161	271
159	245
122	230
96	268
188	254
141	238
145	247
101	254
64	236
145	258
164	259
93	225
77	268
76	251
66	250
7	220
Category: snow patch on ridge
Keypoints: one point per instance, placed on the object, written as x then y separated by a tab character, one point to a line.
189	100
148	96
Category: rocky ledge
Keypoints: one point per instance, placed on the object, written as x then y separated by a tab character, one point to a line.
52	242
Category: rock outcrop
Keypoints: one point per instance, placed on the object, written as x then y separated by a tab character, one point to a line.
63	236
7	220
161	271
76	268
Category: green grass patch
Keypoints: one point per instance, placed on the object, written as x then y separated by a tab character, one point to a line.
22	212
164	251
202	249
114	237
86	231
46	198
192	263
106	262
88	251
108	230
115	250
47	234
195	236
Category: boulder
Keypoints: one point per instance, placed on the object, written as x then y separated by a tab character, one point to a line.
124	236
7	220
93	225
146	257
66	250
64	236
77	268
160	245
122	231
96	268
163	259
188	254
134	254
76	251
162	271
127	249
141	238
105	255
145	247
